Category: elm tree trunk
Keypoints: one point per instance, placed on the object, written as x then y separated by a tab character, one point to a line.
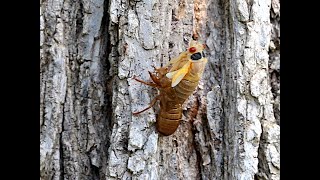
91	49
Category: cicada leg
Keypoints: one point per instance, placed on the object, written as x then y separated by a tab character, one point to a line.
154	79
152	103
146	83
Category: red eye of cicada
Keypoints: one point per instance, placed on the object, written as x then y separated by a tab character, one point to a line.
192	49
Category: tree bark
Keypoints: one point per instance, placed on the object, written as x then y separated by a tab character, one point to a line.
90	50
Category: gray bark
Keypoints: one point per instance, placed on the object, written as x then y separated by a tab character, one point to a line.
90	50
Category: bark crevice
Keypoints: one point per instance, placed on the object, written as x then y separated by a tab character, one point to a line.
61	151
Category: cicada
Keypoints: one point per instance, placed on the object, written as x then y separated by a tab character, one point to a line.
176	81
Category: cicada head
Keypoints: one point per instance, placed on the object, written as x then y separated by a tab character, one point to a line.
192	60
195	51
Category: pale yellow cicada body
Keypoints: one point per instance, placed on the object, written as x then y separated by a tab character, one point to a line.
187	69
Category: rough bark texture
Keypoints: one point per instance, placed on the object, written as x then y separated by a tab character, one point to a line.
89	51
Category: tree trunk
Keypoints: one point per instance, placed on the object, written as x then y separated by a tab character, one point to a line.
90	50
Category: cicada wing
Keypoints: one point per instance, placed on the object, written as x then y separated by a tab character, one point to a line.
178	65
177	59
170	74
179	74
